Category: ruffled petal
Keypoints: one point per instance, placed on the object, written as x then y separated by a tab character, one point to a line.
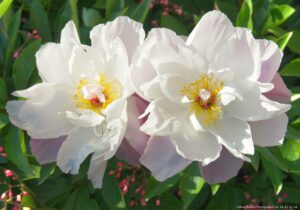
45	150
196	145
270	132
42	114
211	32
161	158
222	169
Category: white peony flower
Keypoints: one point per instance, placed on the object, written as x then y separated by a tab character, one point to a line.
81	105
206	96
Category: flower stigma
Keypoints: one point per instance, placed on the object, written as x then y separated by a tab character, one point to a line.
204	99
96	96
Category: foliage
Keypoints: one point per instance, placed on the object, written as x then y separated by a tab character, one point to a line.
273	177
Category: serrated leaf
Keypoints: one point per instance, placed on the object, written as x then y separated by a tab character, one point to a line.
244	18
292	68
190	184
24	65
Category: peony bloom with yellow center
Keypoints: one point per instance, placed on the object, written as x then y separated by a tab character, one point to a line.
212	98
80	108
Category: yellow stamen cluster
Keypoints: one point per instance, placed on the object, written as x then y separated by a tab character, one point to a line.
207	111
111	91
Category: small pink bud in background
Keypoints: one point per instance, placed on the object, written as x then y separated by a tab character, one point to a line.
3	154
25	193
16	55
285	195
16	208
19	198
279	200
1	149
10	194
143	202
157	202
143	192
247	196
118	175
112	172
8	173
131	203
3	196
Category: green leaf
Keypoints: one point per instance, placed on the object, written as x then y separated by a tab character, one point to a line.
294	43
83	200
214	188
111	193
155	188
283	40
293	194
13	31
39	20
46	171
3	92
292	68
228	197
169	21
244	18
190	184
273	155
74	12
24	65
4	5
255	159
91	17
278	14
291	150
113	6
15	149
274	174
3	120
141	11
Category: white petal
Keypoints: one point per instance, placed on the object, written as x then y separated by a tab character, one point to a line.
172	84
234	132
269	132
130	32
85	64
69	38
222	169
86	119
78	145
211	32
161	158
240	48
196	145
43	114
255	106
51	64
96	170
164	118
151	90
271	57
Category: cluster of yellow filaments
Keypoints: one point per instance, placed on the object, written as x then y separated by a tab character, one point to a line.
111	91
207	109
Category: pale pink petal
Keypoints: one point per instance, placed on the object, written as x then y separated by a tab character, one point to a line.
271	57
161	158
280	93
128	153
269	132
222	169
45	150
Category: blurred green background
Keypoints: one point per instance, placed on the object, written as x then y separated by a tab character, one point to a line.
271	180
